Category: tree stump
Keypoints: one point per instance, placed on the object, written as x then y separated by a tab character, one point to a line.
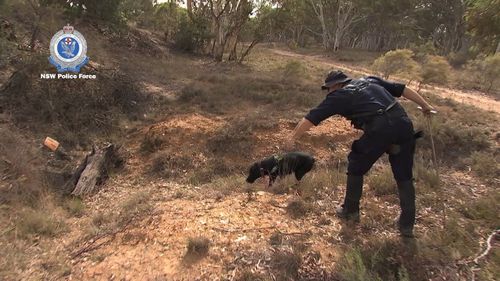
93	170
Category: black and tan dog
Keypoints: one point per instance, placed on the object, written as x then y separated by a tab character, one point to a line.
299	163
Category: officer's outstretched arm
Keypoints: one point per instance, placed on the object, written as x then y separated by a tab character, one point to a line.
418	99
303	126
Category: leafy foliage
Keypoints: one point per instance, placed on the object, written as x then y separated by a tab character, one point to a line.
191	36
435	70
483	73
397	62
483	18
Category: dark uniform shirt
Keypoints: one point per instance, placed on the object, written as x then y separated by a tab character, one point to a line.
358	97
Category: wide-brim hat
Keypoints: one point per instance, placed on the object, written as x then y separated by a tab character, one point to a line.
335	77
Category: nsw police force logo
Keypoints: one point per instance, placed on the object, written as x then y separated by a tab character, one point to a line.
68	50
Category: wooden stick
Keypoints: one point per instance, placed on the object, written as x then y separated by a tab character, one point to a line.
242	230
488	246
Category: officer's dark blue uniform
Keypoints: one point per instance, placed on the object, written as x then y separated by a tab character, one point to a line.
370	104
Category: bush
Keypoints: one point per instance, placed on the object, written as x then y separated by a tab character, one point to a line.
426	175
167	164
135	206
297	208
293	71
75	207
38	223
247	275
24	183
234	138
286	264
484	208
424	50
435	70
485	164
74	111
352	267
191	36
107	11
491	72
397	62
451	132
196	249
483	73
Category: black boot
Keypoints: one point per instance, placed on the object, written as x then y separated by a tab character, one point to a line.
350	209
407	202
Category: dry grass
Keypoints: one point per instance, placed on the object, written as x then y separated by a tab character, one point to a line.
276	239
286	264
18	163
382	182
298	208
483	210
196	249
31	222
485	165
247	275
135	206
321	182
168	165
75	207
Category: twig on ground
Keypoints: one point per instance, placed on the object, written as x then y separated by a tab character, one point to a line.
242	230
91	246
488	246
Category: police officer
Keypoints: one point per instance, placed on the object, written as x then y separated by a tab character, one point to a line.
370	104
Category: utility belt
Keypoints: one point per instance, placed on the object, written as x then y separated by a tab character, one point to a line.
366	120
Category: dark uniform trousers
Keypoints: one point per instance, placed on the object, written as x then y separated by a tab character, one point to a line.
381	133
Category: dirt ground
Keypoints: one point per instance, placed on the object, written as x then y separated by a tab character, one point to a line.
240	223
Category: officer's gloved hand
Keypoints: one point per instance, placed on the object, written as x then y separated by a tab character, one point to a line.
429	110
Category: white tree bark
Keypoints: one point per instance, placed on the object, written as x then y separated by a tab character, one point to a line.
319	11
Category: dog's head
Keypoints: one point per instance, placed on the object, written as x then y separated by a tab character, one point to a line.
254	173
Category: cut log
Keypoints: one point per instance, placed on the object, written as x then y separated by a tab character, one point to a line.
93	171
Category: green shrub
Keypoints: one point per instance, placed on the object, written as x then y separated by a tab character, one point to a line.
484	208
424	50
491	72
397	62
482	73
426	175
435	70
192	36
352	267
107	11
485	164
293	71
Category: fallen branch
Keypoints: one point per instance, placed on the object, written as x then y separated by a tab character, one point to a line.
242	230
488	246
91	246
294	233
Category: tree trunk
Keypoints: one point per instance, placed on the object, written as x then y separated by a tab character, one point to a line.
498	48
318	10
93	170
247	51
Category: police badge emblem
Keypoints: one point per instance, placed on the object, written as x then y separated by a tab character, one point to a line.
68	50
